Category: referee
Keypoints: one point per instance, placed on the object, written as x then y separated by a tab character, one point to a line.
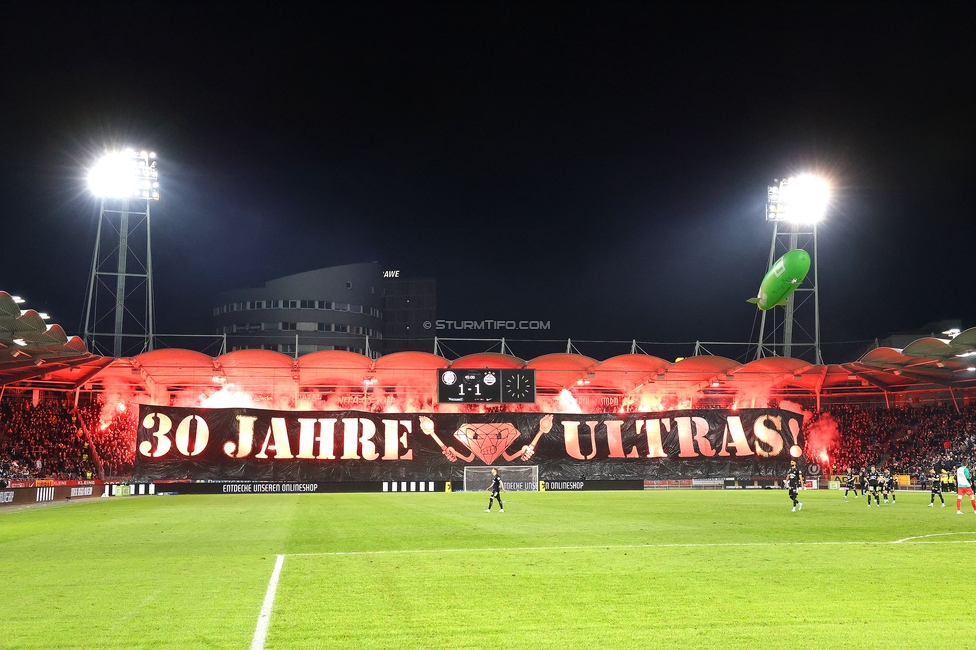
495	489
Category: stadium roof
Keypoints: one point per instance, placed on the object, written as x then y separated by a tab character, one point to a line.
29	347
881	371
35	355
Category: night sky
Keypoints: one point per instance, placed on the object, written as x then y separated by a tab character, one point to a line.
603	167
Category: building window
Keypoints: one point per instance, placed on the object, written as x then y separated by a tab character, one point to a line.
341	328
325	327
288	326
348	285
308	304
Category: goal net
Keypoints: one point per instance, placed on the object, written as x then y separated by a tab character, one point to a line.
515	479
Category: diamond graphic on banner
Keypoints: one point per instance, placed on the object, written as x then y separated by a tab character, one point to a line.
487	440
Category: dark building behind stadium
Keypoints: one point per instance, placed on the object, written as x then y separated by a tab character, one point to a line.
355	307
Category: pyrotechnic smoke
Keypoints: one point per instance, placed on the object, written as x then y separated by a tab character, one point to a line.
228	396
647	399
751	396
567	403
821	433
414	398
118	399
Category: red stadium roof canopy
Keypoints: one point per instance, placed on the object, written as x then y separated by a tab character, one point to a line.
882	372
34	355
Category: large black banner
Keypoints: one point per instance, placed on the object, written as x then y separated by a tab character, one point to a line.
262	445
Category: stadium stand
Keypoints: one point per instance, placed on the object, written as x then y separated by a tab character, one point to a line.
894	407
43	441
52	440
905	440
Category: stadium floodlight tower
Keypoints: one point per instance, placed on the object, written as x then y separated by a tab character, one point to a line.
119	319
795	206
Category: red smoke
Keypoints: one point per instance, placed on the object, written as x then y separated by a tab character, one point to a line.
820	433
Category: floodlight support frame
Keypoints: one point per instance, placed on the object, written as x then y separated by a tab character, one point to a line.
787	239
140	324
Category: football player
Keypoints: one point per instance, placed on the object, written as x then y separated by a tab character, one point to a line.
495	490
964	487
884	482
936	486
873	480
850	482
794	481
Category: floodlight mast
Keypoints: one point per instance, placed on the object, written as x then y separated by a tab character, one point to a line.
124	181
798	203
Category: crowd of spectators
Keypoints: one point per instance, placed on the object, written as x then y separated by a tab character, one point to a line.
44	441
52	439
909	440
113	432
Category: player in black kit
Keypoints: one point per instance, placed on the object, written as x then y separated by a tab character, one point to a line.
873	479
889	486
936	486
794	481
863	480
495	490
850	482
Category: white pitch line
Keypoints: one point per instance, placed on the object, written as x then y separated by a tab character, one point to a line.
899	541
495	549
264	618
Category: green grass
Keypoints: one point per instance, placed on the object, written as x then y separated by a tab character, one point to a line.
716	569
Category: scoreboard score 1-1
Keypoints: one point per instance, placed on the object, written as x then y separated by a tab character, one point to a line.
486	386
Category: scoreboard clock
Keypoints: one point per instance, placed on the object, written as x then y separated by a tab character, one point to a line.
518	386
485	386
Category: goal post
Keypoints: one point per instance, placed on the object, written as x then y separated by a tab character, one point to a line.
515	479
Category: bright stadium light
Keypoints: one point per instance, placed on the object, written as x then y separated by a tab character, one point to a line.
126	183
798	199
795	206
125	174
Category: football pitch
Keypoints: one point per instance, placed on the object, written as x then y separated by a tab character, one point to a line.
676	569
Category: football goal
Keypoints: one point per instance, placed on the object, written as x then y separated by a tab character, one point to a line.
515	479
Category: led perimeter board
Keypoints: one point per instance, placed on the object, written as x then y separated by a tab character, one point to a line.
486	386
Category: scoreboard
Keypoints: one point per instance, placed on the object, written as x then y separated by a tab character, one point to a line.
486	386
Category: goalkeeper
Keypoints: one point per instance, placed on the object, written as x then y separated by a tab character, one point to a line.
495	490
